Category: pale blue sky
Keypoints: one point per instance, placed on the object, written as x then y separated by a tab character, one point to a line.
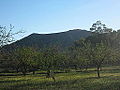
50	16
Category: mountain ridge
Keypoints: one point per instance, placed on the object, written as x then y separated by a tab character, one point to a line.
62	39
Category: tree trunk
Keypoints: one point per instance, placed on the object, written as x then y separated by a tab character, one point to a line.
17	70
50	75
86	68
75	67
24	73
100	68
33	72
53	78
98	72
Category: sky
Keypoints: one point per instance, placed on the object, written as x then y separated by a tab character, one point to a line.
51	16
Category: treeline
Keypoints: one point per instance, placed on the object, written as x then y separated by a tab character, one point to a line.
101	48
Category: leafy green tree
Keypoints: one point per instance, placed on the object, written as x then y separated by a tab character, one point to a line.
83	56
109	37
25	59
100	54
51	60
94	55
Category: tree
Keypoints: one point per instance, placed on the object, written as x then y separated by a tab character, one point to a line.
80	55
25	59
51	60
100	54
93	54
7	36
109	37
100	28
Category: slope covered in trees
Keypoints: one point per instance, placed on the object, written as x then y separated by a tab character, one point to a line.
63	39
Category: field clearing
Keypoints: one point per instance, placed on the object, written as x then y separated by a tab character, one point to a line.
86	80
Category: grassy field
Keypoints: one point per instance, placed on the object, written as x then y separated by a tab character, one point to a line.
86	80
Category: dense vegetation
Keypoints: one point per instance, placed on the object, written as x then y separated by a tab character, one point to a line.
98	50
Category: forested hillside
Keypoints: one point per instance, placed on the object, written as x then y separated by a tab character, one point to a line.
62	39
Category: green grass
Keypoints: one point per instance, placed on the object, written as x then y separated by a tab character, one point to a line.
86	80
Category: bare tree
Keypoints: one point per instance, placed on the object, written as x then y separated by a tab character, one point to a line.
7	35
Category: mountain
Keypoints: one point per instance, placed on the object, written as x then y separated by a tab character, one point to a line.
63	39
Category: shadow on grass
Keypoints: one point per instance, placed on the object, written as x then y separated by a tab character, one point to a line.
90	83
12	81
111	70
110	82
12	74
